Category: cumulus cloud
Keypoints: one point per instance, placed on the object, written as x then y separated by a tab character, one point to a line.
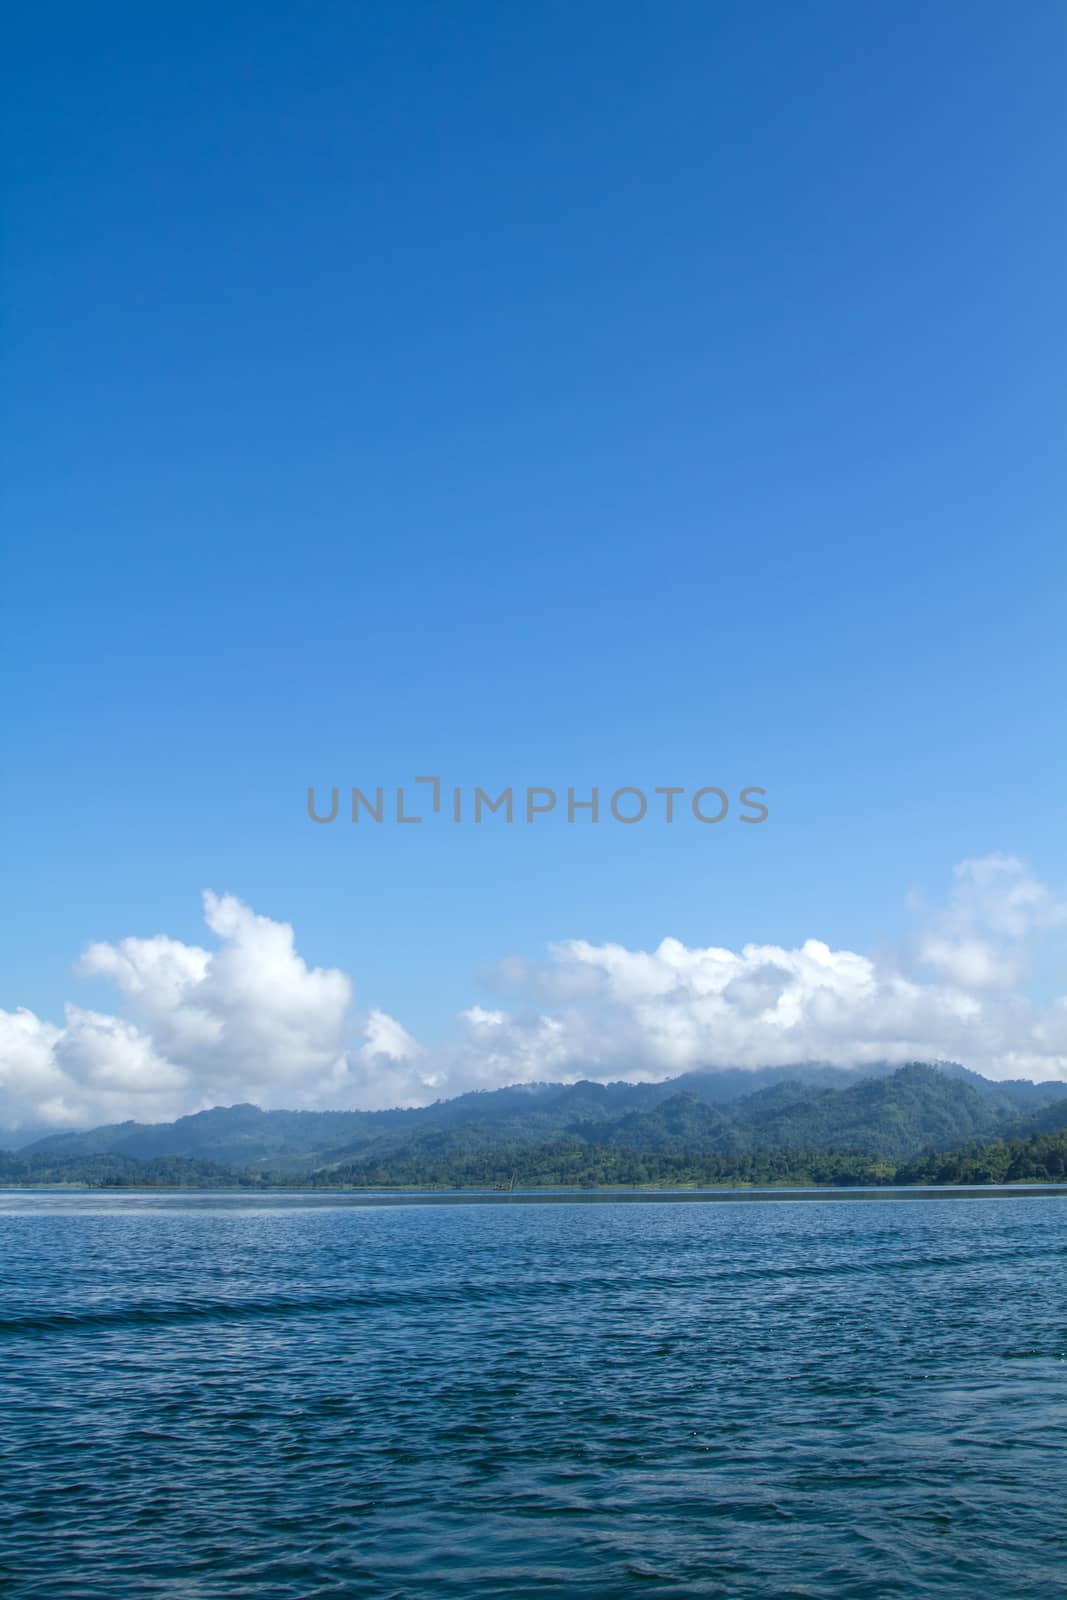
248	1019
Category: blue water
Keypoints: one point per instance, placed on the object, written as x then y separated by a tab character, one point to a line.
217	1396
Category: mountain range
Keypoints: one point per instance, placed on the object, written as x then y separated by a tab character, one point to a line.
709	1125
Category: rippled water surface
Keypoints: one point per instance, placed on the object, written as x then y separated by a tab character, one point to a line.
222	1397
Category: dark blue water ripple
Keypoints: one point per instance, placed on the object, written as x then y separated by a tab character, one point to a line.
203	1398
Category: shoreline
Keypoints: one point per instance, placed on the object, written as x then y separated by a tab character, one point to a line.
562	1194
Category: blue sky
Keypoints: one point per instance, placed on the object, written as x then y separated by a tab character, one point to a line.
569	395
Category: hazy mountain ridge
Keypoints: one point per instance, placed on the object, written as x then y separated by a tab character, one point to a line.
245	1134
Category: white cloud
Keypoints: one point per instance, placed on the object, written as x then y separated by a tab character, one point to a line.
30	1077
987	933
250	1020
249	1014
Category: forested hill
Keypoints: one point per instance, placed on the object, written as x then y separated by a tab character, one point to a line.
1038	1158
752	1126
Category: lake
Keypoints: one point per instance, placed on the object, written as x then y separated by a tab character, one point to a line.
285	1397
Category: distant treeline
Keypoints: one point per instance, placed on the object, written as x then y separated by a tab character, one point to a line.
18	1170
1039	1158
